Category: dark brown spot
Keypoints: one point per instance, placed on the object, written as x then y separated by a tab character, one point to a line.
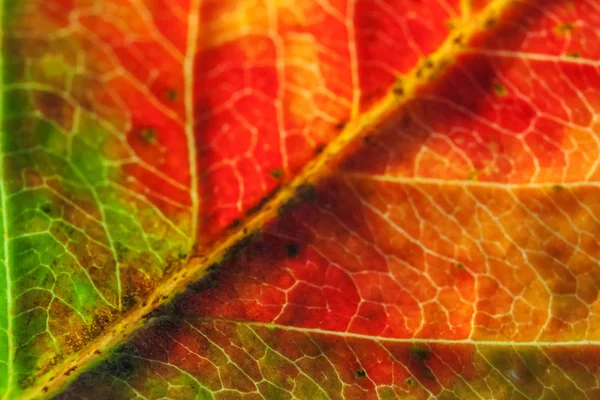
361	373
291	250
319	149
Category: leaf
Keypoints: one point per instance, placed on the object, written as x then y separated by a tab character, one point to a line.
141	140
453	255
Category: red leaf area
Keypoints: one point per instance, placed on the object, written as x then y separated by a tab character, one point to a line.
454	254
264	86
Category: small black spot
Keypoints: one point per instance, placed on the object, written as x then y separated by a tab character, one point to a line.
276	173
341	125
291	250
499	89
460	266
361	373
319	149
420	72
46	208
408	381
148	135
490	22
367	140
428	374
398	91
234	224
171	94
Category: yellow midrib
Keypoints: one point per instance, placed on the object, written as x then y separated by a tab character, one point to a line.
316	170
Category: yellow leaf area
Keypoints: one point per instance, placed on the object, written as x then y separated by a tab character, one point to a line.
440	245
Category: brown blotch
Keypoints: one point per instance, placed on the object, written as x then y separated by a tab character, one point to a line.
420	352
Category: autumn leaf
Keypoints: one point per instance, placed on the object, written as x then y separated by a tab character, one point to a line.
451	254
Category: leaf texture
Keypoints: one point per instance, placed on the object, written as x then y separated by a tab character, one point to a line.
452	255
138	137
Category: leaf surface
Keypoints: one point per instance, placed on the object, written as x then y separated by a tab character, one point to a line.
141	139
452	255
